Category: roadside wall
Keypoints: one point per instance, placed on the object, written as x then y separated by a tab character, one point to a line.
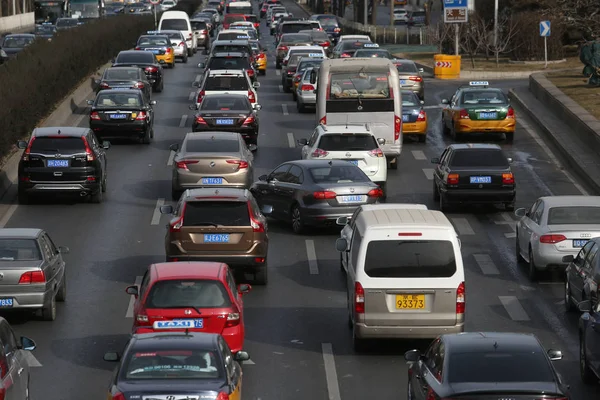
17	22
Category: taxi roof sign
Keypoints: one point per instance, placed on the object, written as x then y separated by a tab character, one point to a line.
370	45
479	83
243	37
152	32
320	55
180	324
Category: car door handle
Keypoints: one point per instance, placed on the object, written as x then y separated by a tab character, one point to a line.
20	371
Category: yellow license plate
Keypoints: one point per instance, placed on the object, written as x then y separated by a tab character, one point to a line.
410	301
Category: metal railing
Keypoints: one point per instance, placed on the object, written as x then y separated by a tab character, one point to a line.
388	34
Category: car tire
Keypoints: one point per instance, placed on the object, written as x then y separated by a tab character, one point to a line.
587	376
445	130
261	275
294	95
262	72
393	164
518	256
300	107
422	138
172	65
383	188
157	88
176	194
569	307
342	263
286	88
510	206
443	203
297	223
96	197
358	344
61	295
23	197
277	65
185	59
190	53
104	183
532	272
436	192
509	137
49	310
146	138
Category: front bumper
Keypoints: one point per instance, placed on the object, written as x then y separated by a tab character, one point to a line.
364	331
414	128
470	126
478	196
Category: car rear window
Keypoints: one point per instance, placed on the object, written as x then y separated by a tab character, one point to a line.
347	142
229	63
226	213
252	18
116	99
312	63
410	259
296	38
233	18
293	27
218	103
580	215
327	21
173	35
338	174
142	57
353	45
233	36
198	25
174	24
19	250
479	158
410	99
153	41
226	83
406	67
172	364
373	53
122	74
499	367
212	146
487	97
199	293
67	144
231	48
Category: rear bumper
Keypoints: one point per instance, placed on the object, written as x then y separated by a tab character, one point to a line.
468	196
306	98
326	216
117	130
546	257
166	59
469	126
364	331
179	51
59	187
32	300
414	128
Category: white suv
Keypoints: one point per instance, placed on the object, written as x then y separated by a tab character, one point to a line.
227	81
352	142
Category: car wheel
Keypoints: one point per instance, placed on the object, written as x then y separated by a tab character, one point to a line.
436	192
262	71
49	310
393	163
568	303
422	138
509	137
342	263
443	203
510	206
190	53
22	197
277	65
587	376
104	183
146	138
61	295
158	87
261	276
185	59
172	65
358	344
532	273
294	95
297	223
445	130
96	197
300	107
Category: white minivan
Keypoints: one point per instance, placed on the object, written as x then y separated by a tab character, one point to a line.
404	272
179	21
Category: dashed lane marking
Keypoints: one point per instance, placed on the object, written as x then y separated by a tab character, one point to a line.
280	88
9	213
462	226
419	155
285	109
277	72
486	264
171	157
428	173
191	96
183	121
156	213
291	140
198	77
129	313
508	220
311	254
248	362
333	386
513	307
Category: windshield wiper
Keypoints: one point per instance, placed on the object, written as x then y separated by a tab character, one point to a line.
55	150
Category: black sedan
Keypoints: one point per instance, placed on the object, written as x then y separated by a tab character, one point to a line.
120	114
145	60
229	113
473	174
15	43
165	365
314	192
45	31
582	278
485	365
125	78
589	341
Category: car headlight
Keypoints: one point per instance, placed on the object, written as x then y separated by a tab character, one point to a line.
3	53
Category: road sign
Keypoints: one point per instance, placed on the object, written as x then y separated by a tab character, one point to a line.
456	14
544	28
155	2
456	3
443	64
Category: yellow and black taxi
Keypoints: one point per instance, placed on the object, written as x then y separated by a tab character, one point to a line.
479	109
122	113
159	45
260	56
414	117
176	365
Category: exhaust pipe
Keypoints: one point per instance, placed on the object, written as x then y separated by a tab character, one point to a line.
82	193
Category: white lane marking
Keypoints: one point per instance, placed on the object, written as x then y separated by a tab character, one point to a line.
9	213
184	118
280	88
285	110
171	157
428	173
156	214
311	254
551	156
462	226
31	360
508	220
511	235
248	362
191	96
419	155
333	386
291	140
278	72
198	77
129	313
486	264
513	307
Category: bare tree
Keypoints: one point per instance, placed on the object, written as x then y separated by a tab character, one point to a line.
582	15
473	36
439	34
508	29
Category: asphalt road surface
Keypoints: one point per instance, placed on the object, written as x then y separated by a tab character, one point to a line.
296	327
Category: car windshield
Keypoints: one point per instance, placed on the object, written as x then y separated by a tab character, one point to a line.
366	85
212	145
121	74
296	38
499	367
486	158
65	22
338	174
328	22
404	67
188	293
172	364
198	25
228	63
373	53
137	57
410	99
19	250
476	97
221	83
344	142
225	104
58	145
174	24
154	41
225	213
17	42
107	99
173	35
574	215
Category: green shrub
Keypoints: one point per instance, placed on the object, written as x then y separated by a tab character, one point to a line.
46	72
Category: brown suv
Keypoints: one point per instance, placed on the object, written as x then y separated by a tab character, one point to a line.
222	225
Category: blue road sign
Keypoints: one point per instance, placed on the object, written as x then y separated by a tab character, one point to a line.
456	3
544	28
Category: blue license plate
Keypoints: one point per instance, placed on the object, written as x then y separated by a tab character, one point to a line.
198	323
402	82
351	199
212	181
176	324
156	51
481	179
579	242
224	122
405	118
355	162
58	163
118	116
6	302
216	238
488	115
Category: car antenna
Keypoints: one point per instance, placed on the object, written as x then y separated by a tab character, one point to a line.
346	121
330	163
495	345
58	132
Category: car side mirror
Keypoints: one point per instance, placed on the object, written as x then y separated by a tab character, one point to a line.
153	102
421	70
341	244
244	288
21	144
555	355
27	344
412	355
257	107
302	142
568	259
132	290
63	250
342	221
252	147
256	85
266	209
510	160
174	147
90	102
195	84
166	209
445	101
520	212
435	160
381	141
262	178
422	102
201	65
112	356
106	145
241	356
585	306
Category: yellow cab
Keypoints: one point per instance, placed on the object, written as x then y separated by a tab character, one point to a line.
260	56
414	117
158	44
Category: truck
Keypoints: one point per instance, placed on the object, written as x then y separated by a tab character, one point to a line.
87	9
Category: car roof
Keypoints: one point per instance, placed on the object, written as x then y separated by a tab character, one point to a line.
345	128
467	146
559	201
188	270
403	218
60	130
165	340
393	206
20	233
126	91
211	194
500	342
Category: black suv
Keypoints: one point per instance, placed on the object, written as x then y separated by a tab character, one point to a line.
62	160
145	60
230	61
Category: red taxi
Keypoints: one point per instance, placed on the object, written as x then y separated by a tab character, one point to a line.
194	296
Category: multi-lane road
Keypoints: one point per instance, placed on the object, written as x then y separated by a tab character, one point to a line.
296	327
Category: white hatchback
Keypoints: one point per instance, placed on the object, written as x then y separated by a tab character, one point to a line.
354	143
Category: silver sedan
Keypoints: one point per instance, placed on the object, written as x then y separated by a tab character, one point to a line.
305	92
554	227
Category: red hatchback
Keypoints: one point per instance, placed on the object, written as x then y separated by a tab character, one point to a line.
195	296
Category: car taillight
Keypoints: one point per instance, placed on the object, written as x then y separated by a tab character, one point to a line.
552	239
138	48
250	72
233	319
183	164
415	78
460	298
319	153
222	396
95	116
251	96
142	320
181	44
422	116
508	179
200	121
189	35
452	179
176	225
30	277
323	121
240	163
337	30
345	55
28	149
376	153
308	88
261	55
397	127
116	396
88	150
291	72
141	116
326	195
375	193
204	32
249	120
104	85
201	95
151	69
282	48
359	298
510	113
464	114
138	85
169	50
257	25
325	44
